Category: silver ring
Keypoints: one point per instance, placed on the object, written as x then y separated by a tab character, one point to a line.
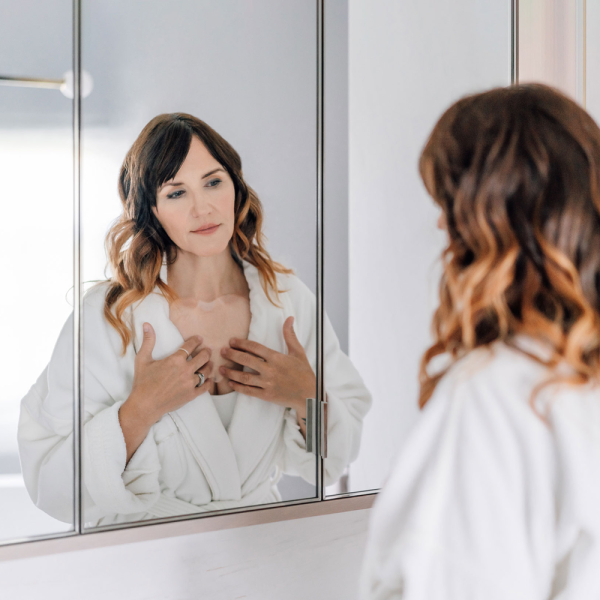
201	378
184	351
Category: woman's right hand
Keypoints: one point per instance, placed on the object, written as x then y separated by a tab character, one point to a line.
161	386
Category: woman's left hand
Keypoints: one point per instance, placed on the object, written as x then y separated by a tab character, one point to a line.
284	379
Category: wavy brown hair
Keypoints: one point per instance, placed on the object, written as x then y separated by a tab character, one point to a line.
516	174
136	242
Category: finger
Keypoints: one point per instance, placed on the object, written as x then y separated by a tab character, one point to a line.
205	369
252	347
189	345
248	390
243	358
200	359
145	351
293	344
242	377
198	347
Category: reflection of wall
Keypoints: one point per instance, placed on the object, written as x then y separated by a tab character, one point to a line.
37	273
408	61
335	191
35	41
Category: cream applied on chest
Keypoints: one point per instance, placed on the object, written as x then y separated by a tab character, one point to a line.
216	322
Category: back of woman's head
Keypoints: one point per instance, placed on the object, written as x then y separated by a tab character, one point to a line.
516	172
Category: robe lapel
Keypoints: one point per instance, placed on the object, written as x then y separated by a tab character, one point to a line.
198	421
255	422
226	458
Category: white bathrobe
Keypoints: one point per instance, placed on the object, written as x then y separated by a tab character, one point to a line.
486	502
188	462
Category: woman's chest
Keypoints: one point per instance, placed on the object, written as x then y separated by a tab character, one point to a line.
216	322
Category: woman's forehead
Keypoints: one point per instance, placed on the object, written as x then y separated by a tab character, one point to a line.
198	159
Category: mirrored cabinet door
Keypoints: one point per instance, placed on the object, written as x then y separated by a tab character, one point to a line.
36	158
407	62
199	218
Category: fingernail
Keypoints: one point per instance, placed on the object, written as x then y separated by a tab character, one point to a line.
223	351
146	328
222	370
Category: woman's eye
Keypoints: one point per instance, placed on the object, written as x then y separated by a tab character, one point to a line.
175	194
213	183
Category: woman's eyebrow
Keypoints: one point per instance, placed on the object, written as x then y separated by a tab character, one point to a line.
175	184
212	172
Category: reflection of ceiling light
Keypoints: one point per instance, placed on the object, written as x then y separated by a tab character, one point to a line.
87	84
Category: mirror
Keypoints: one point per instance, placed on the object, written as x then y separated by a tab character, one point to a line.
199	315
36	155
245	75
395	97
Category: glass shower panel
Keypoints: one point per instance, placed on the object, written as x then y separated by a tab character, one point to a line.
36	158
229	78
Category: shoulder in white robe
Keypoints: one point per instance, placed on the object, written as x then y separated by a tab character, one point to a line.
486	501
188	462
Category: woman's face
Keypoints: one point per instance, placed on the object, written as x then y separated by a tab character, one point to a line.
196	207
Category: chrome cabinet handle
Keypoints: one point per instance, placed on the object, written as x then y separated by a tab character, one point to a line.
316	409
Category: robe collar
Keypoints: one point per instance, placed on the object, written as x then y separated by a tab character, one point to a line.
227	458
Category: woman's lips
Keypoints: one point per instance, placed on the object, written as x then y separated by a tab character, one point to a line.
207	231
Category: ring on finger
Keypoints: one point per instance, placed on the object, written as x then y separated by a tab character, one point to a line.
201	378
188	354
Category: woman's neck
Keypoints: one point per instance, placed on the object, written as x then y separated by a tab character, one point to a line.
206	278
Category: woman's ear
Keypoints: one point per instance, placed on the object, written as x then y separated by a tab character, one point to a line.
441	222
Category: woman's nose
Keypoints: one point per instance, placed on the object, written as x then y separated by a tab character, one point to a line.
199	204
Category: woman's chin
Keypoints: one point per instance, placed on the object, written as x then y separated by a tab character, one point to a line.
208	252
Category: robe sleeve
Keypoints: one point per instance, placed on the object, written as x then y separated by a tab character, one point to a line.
468	510
45	433
347	396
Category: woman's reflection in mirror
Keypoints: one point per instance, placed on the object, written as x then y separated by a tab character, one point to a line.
199	352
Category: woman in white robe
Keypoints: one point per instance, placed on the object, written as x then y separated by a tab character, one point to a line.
194	457
496	491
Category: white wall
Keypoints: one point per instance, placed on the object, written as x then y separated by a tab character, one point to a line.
408	62
305	559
